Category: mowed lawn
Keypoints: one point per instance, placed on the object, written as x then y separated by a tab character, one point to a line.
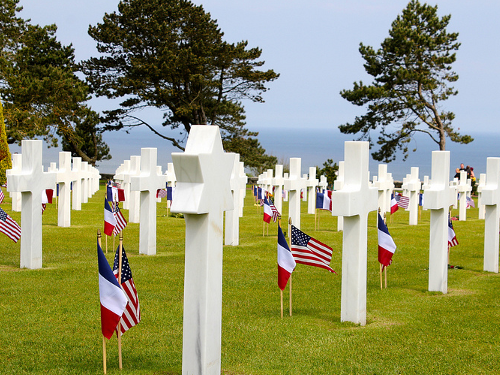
50	318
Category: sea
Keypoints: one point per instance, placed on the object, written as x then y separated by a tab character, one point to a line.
313	146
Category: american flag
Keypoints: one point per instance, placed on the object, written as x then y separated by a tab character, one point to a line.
132	314
470	202
274	210
309	251
452	238
121	223
1	196
403	201
161	193
9	227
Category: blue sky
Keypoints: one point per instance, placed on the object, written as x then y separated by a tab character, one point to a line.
314	44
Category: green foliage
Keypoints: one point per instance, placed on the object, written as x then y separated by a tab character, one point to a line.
411	71
170	55
41	92
329	170
5	157
51	316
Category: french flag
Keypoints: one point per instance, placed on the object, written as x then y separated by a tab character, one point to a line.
47	195
394	204
109	219
113	299
286	263
386	245
268	213
324	201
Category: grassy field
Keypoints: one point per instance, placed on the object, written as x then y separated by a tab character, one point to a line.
51	319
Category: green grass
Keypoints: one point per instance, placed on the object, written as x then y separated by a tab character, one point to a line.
51	320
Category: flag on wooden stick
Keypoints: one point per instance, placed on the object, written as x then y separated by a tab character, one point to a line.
309	251
132	313
286	263
386	245
9	227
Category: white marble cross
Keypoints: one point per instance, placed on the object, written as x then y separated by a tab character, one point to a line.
464	187
134	201
304	189
85	182
480	186
413	186
385	186
285	194
354	201
31	182
64	178
438	198
77	183
491	199
312	183
243	181
17	166
124	176
146	184
323	183
278	182
232	233
293	184
338	184
203	193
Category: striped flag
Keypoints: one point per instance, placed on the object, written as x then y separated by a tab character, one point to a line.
132	314
470	202
286	263
274	210
452	238
9	227
2	196
161	193
394	204
121	223
386	245
268	213
309	251
403	201
111	296
109	219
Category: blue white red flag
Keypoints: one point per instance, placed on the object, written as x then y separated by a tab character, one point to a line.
121	223
386	245
275	213
132	313
324	200
452	238
111	296
109	219
394	204
421	199
309	251
470	202
2	196
286	263
268	213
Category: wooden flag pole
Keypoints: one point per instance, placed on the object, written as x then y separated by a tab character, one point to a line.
290	280
103	338
386	277
263	228
119	331
380	276
281	293
106	243
290	283
315	218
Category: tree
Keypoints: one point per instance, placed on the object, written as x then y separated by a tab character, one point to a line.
329	170
5	157
411	71
170	55
38	83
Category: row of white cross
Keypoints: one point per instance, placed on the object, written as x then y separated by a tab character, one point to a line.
206	175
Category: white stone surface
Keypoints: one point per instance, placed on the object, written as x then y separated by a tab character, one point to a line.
126	178
285	194
134	215
146	184
338	184
438	198
312	184
480	186
203	192
77	184
17	166
323	183
385	185
85	181
232	232
413	186
491	200
278	182
463	187
304	189
293	184
31	181
65	177
354	201
243	181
